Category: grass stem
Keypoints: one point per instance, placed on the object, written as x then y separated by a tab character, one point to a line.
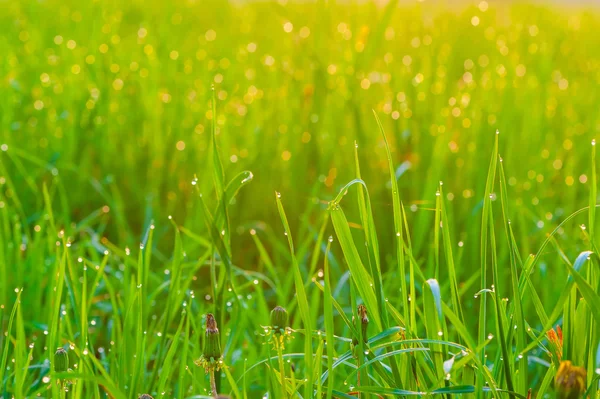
281	369
213	384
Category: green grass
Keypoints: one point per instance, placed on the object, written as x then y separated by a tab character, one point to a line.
347	155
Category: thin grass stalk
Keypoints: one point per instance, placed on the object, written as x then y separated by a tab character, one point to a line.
213	384
281	370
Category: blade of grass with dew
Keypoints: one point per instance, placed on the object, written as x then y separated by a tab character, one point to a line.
167	365
183	363
138	368
593	277
108	383
500	322
328	318
436	234
301	298
407	247
432	309
593	197
218	173
359	350
368	224
314	257
379	359
397	212
317	241
489	187
367	220
59	267
266	258
447	242
342	315
317	367
580	261
219	243
231	190
21	359
588	292
362	279
173	294
546	381
84	365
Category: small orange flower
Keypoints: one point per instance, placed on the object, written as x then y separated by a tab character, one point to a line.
555	339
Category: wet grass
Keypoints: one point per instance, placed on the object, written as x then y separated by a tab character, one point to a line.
433	166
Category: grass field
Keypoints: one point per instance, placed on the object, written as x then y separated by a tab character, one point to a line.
163	161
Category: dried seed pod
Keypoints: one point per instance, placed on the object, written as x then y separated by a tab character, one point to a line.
61	360
279	319
212	340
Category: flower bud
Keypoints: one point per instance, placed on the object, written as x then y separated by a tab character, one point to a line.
570	381
279	319
61	360
364	320
364	323
212	339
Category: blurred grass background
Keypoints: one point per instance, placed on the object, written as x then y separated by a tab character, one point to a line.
111	100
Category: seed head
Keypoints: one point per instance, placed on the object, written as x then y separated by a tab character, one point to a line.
61	360
570	381
145	396
212	341
279	319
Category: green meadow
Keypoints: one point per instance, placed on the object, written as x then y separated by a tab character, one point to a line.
414	185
